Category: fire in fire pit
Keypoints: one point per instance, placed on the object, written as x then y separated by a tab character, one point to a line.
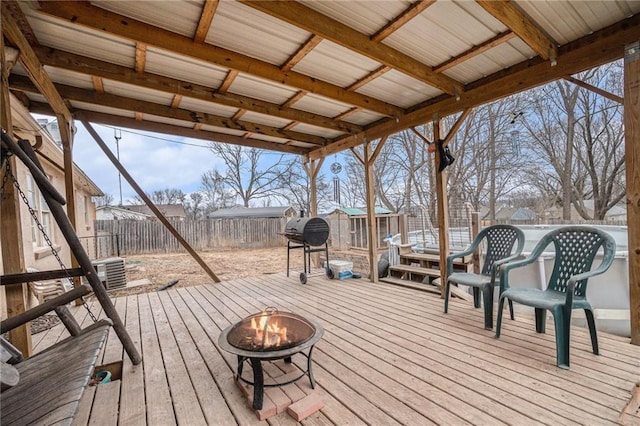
270	330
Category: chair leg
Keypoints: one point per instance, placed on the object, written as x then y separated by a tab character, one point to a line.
511	310
447	289
487	300
476	297
592	330
541	320
562	324
499	319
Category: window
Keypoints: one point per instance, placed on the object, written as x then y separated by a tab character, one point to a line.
41	211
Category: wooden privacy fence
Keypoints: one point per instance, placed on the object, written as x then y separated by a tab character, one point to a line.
148	236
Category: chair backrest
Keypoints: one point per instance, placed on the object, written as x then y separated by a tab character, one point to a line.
575	249
501	240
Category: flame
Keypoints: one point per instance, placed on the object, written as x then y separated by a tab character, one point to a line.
275	334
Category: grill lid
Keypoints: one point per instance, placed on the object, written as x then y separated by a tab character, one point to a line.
310	230
270	330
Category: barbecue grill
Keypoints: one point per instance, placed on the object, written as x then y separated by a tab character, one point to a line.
308	234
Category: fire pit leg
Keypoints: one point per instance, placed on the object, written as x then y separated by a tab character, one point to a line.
241	360
287	360
309	370
258	384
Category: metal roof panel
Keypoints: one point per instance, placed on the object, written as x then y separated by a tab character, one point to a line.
399	89
169	64
258	88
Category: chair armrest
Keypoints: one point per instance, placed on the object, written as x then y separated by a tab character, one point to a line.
506	267
498	263
460	254
571	282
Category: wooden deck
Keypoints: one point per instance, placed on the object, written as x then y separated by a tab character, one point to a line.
389	355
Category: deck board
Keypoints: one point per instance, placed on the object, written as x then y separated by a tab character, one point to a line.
389	356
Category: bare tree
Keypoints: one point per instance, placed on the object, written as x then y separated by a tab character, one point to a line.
161	196
215	195
246	174
294	186
104	200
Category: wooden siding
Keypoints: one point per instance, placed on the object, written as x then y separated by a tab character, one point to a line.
148	236
389	356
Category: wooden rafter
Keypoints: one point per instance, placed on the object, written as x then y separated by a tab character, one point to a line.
347	113
83	13
141	57
150	126
290	125
595	89
97	84
138	116
316	23
369	77
421	136
303	51
82	64
606	45
456	126
34	68
228	80
503	37
175	103
239	113
124	103
295	98
408	14
206	17
529	31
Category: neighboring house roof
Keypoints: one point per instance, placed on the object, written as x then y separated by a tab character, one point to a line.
169	210
355	211
112	211
241	211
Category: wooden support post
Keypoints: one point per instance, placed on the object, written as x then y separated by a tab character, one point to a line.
60	216
443	209
371	213
475	230
312	168
404	228
10	223
632	158
147	201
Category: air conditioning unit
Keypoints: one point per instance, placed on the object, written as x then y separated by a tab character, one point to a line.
111	272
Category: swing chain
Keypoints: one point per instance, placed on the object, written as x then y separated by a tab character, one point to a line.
34	216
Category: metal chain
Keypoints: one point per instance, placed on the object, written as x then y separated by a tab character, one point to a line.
9	173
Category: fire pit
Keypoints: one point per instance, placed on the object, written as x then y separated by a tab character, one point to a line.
268	336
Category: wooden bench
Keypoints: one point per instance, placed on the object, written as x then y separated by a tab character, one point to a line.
52	382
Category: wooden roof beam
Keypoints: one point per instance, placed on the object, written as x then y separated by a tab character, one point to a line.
303	51
529	31
97	84
503	37
594	89
228	80
83	13
316	23
593	50
131	104
152	126
34	68
347	113
408	14
295	98
204	24
69	61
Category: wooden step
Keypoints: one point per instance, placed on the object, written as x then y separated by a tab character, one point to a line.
411	284
416	270
433	258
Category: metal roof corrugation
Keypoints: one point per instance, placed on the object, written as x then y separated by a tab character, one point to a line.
267	120
55	33
245	30
318	131
567	21
259	88
399	89
335	64
206	127
137	92
207	107
169	121
70	78
366	17
363	118
177	16
168	64
321	105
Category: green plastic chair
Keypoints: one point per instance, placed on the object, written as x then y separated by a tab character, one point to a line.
575	250
500	242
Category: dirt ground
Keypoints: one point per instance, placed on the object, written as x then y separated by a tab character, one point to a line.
161	269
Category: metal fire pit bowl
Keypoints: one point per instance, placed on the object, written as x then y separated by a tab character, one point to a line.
270	331
253	351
